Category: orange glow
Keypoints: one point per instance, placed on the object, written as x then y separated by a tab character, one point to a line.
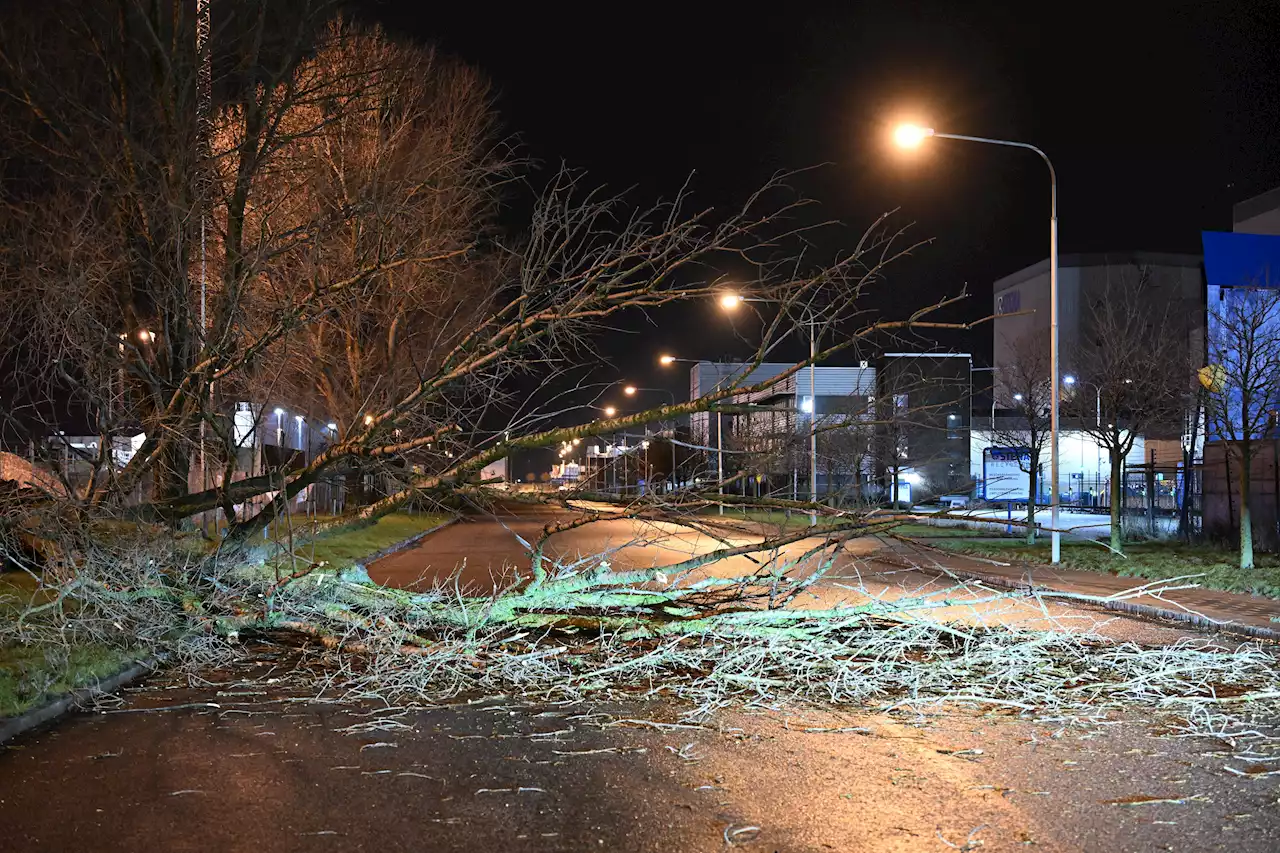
911	135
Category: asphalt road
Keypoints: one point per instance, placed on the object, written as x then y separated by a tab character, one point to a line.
246	761
262	772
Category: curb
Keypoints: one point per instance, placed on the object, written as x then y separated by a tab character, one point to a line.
406	543
15	726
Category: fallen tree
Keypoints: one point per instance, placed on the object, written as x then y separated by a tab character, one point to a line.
585	628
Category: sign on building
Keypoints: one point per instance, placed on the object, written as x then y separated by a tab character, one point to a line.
1004	473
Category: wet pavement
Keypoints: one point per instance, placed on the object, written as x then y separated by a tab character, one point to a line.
269	770
247	760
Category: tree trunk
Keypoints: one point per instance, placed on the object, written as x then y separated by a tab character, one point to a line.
1246	518
1031	504
1117	495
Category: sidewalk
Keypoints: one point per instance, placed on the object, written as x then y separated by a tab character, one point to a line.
1231	612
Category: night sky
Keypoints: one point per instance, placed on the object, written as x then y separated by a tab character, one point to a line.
1158	116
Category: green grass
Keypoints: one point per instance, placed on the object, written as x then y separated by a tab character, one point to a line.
1151	560
33	674
30	675
347	545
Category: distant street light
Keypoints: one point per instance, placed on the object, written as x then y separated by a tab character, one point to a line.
333	427
668	360
368	420
910	136
610	411
1069	381
730	301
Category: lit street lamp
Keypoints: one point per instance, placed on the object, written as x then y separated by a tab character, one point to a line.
667	361
730	302
911	136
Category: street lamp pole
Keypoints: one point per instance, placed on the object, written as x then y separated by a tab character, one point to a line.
671	359
729	302
910	136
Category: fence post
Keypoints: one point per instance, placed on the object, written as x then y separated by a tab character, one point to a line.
1151	492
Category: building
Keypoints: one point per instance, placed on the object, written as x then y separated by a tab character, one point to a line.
1084	467
1258	215
1021	304
925	414
903	421
1237	265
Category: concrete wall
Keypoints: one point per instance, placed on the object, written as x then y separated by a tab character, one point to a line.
1176	281
1258	215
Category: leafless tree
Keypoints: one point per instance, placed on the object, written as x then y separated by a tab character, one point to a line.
1131	377
1024	388
1243	378
342	188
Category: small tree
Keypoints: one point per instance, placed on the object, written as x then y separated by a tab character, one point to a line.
1024	387
1131	378
1244	383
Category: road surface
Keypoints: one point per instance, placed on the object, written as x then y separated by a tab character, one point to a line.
260	773
246	760
487	552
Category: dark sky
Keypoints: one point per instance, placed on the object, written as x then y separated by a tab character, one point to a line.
1158	116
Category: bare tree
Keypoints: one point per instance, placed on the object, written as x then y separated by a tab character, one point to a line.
1243	378
1131	378
352	269
1024	387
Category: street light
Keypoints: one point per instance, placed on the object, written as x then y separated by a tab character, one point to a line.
730	301
610	411
667	361
911	136
1070	380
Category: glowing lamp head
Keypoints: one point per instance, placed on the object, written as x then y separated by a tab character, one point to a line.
368	420
730	301
911	135
1017	398
333	427
279	412
630	390
666	360
1068	380
610	411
